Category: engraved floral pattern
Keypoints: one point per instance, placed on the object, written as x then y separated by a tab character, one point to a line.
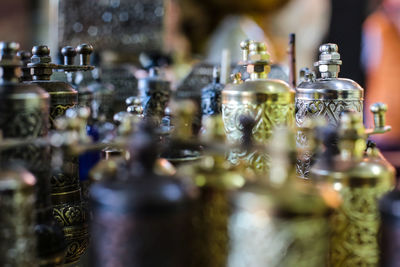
266	116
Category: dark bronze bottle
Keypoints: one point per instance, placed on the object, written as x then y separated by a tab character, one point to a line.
24	113
17	218
68	208
141	219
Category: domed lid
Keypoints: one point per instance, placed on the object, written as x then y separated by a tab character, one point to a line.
258	91
329	86
258	88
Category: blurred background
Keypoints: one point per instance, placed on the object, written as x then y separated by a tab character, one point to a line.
181	33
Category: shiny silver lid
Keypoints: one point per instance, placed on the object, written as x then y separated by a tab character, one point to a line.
329	86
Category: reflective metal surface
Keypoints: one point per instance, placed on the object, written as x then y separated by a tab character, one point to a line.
326	97
68	209
269	102
281	220
360	178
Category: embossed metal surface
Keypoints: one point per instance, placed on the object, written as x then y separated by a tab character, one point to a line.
312	109
355	227
24	112
267	115
68	209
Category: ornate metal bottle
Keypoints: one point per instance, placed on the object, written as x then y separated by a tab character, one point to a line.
216	179
361	178
68	208
281	222
17	218
154	94
326	97
269	102
24	113
140	218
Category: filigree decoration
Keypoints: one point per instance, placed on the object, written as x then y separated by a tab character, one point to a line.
58	111
329	109
355	227
75	248
69	214
266	116
23	123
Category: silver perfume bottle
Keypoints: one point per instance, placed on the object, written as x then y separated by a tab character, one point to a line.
325	97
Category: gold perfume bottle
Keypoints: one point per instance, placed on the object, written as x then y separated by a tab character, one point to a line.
270	102
216	179
361	176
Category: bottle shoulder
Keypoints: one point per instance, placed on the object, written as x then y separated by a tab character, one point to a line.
23	91
330	88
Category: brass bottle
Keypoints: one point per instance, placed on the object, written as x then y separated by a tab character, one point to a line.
325	97
68	208
282	220
361	177
269	102
24	113
216	179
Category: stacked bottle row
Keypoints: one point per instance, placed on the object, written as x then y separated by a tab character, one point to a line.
265	183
